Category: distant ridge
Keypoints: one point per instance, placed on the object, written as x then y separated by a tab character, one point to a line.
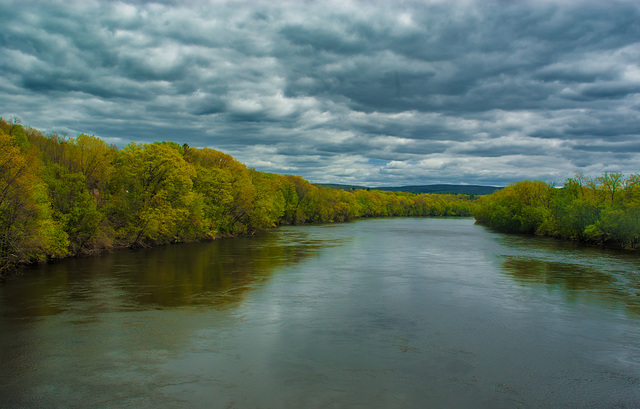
440	188
443	188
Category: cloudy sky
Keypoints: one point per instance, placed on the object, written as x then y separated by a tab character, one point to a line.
355	92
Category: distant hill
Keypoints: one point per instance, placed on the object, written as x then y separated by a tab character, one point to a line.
344	187
440	188
443	188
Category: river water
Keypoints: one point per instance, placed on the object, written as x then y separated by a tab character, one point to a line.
382	313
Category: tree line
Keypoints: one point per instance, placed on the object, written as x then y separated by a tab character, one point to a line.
61	197
604	210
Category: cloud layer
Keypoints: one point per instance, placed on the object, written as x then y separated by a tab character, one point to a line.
356	92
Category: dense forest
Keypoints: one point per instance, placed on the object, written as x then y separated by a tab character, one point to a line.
61	197
603	210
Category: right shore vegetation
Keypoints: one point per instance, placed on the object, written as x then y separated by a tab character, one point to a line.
604	210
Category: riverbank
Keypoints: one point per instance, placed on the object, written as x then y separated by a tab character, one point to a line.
601	211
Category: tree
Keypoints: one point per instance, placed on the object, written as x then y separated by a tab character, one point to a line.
214	187
154	194
228	179
611	182
521	207
27	231
269	203
291	200
93	158
73	206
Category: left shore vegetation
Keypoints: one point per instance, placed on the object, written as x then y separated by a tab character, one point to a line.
60	197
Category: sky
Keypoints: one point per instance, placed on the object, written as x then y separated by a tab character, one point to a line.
374	93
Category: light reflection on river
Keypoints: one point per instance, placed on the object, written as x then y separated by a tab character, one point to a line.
386	313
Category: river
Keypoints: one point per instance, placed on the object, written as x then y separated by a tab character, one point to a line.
381	313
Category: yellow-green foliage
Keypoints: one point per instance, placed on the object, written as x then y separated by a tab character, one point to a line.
64	196
28	231
604	210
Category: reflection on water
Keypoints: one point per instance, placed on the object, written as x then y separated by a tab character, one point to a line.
215	274
576	282
607	277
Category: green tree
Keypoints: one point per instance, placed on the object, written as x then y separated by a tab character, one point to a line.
291	200
73	206
226	187
269	204
153	194
93	158
27	231
611	183
522	207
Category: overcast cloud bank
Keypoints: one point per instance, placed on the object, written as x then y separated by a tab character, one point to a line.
354	92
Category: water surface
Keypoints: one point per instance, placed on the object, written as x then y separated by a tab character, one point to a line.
384	313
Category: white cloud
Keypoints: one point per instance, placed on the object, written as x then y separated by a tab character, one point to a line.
340	91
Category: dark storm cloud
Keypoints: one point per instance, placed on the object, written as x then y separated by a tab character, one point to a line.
340	91
454	65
